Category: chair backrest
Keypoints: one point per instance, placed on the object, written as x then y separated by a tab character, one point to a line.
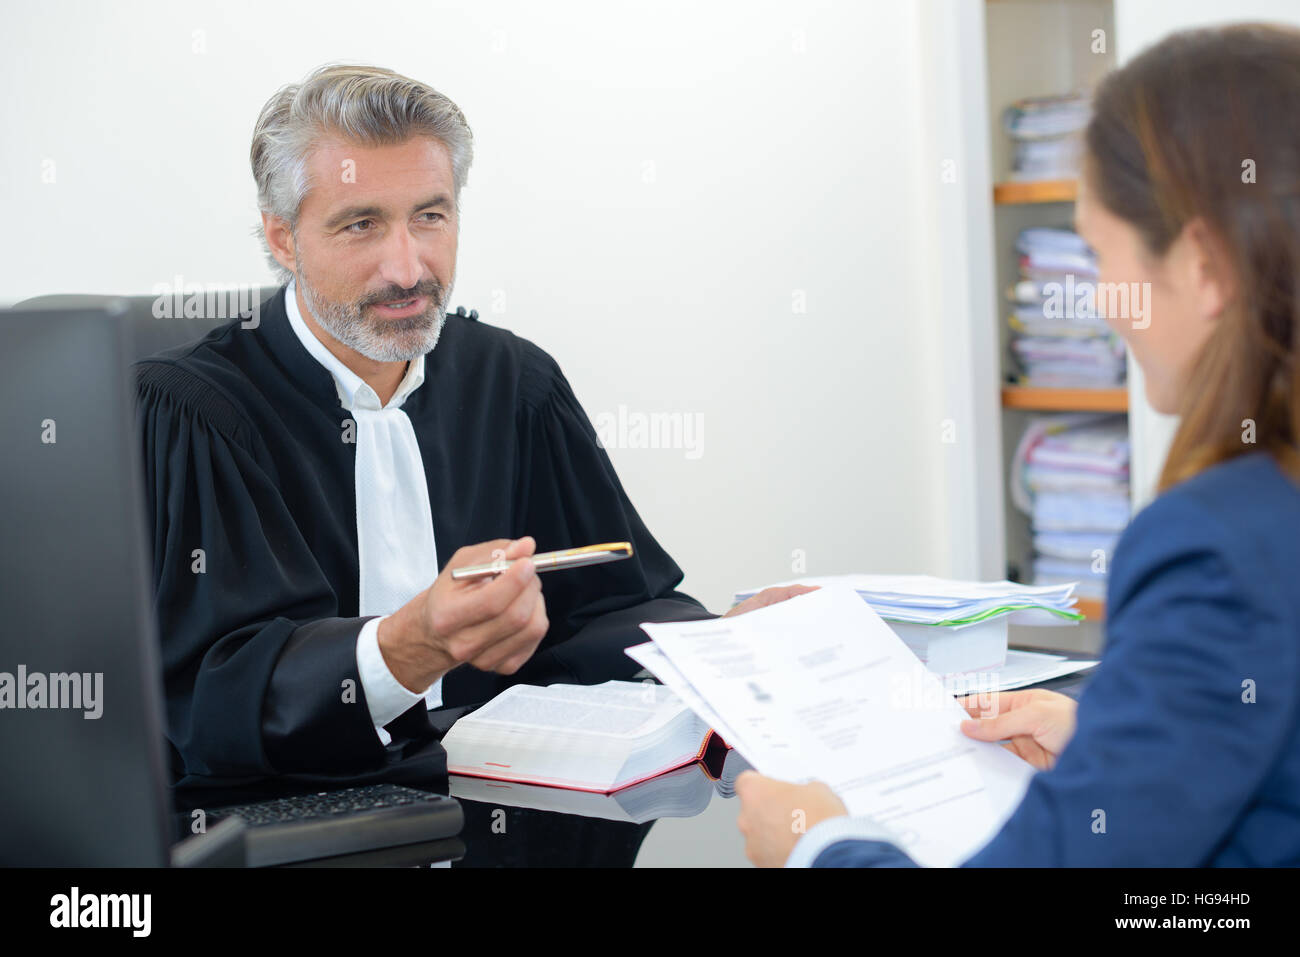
148	334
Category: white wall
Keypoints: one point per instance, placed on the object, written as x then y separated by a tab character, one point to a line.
957	239
655	184
1138	24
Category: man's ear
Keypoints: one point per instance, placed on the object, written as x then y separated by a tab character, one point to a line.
279	239
1207	268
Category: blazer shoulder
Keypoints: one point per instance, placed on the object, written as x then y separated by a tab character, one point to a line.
1245	501
1245	513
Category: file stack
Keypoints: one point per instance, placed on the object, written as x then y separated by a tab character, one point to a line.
1046	135
954	626
1071	475
1057	336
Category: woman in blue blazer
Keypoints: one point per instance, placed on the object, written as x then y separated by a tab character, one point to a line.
1185	749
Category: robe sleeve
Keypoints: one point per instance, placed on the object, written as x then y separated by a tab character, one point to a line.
569	495
260	674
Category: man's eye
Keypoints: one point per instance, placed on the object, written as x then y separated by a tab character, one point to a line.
437	217
361	222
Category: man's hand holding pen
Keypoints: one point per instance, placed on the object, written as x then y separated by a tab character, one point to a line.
493	623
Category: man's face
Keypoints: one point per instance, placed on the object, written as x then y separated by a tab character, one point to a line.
375	245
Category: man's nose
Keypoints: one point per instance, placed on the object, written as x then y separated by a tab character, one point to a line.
401	264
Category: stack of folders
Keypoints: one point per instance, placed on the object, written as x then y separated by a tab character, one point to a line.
1046	136
954	627
1071	475
1057	335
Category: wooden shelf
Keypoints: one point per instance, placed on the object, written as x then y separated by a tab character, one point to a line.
1040	191
1093	608
1064	400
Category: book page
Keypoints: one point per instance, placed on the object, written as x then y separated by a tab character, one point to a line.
649	657
622	709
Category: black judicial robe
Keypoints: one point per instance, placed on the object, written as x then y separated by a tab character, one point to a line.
245	459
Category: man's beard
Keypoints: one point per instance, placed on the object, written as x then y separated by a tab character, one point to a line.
383	340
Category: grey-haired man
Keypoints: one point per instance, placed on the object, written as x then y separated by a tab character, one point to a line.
331	466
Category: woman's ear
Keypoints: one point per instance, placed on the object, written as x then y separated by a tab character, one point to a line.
1205	268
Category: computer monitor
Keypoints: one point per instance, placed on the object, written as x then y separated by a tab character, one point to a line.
82	736
82	779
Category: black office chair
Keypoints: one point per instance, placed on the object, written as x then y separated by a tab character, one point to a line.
148	334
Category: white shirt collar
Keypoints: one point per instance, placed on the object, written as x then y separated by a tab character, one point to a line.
353	390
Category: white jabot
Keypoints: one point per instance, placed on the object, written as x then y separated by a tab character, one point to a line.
395	545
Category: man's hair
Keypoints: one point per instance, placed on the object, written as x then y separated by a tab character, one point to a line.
367	105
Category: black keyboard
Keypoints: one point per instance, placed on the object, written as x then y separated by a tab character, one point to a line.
330	823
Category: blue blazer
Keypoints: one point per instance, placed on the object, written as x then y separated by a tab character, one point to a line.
1187	749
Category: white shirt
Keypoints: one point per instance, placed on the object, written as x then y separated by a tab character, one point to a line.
395	546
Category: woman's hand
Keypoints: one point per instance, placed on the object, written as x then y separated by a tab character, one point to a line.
1038	723
769	596
775	814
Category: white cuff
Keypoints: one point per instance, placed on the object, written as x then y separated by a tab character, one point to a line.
386	697
831	830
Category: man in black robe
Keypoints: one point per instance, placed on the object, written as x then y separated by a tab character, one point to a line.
316	470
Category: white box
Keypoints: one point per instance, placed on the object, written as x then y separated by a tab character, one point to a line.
951	649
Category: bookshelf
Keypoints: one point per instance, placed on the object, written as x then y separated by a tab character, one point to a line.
1037	48
1092	608
1035	191
1064	400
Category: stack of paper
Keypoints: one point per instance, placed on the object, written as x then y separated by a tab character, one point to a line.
818	687
954	626
1045	135
925	600
1021	669
1071	475
1057	335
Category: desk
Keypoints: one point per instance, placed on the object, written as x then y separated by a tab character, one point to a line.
707	839
497	835
711	839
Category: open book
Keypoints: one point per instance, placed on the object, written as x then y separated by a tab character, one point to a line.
586	737
682	793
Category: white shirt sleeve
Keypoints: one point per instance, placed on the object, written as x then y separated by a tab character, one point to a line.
386	697
823	835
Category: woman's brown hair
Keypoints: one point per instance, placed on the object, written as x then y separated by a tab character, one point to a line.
1206	124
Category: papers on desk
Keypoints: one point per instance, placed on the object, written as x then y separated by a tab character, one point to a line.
954	626
925	600
819	687
1021	669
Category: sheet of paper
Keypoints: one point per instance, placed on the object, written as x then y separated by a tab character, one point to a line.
1022	668
820	687
760	729
649	657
